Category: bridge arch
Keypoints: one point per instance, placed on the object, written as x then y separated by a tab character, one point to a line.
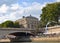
19	34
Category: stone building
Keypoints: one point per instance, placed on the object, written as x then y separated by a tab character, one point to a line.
28	22
53	30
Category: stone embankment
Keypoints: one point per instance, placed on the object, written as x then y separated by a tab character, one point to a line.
46	39
5	40
42	39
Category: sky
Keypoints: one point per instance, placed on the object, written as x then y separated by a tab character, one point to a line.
15	9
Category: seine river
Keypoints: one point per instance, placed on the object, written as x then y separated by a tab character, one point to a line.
34	42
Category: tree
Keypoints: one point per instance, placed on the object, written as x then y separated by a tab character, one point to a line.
16	25
7	24
11	24
50	13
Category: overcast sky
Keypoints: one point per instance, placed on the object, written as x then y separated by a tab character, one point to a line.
15	9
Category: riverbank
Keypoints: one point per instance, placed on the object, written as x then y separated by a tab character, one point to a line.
46	39
5	40
42	39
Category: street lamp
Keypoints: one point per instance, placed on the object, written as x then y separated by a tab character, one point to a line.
47	26
46	29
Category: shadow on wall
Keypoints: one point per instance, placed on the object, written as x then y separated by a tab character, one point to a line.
20	37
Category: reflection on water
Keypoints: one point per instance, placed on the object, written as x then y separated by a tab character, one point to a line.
34	42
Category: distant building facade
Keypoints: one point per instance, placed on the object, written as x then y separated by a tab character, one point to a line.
53	30
28	22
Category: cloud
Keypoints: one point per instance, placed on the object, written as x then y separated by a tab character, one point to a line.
4	8
57	0
16	11
15	6
25	3
8	2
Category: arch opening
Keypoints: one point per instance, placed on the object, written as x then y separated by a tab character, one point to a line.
19	35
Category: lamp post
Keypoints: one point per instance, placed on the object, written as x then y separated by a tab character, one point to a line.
46	29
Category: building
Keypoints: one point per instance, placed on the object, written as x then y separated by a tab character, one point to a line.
53	30
28	22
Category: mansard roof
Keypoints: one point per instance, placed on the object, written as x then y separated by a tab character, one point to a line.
31	17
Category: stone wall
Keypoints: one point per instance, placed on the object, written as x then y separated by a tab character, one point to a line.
54	29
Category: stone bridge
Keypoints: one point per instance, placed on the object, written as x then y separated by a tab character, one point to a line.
6	31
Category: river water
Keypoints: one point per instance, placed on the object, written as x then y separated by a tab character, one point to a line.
34	42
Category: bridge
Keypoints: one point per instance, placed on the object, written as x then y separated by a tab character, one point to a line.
6	31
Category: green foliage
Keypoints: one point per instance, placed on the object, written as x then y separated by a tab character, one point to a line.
10	24
16	25
50	13
7	24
